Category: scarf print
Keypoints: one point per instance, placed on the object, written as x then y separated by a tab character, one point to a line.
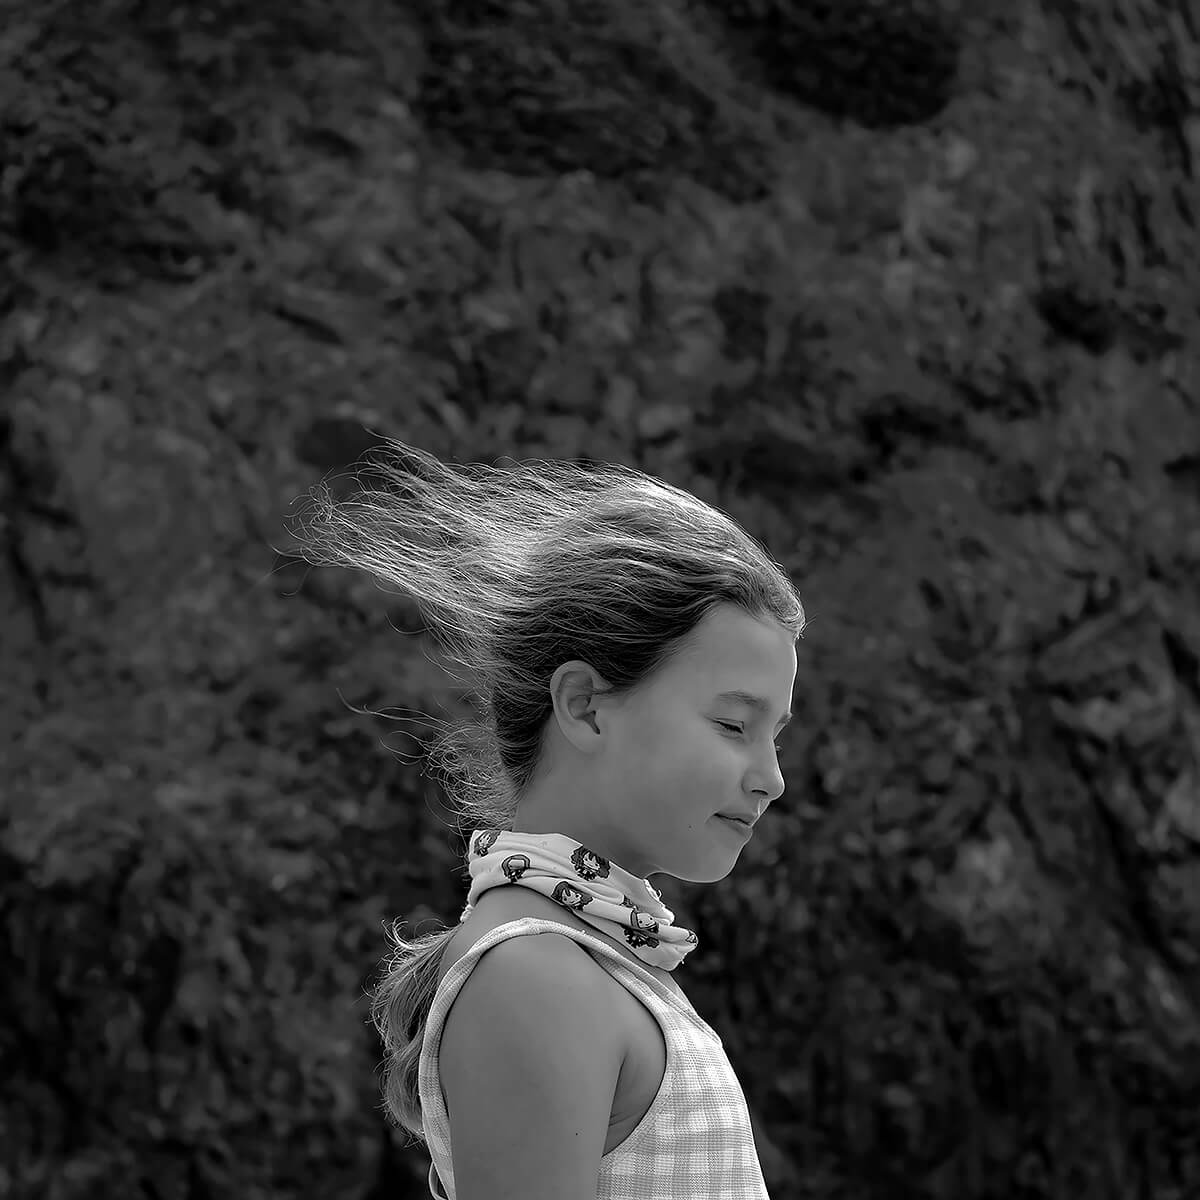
596	890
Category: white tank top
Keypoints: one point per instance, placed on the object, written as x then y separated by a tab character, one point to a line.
695	1142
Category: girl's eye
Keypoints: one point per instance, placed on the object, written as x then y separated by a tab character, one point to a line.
738	729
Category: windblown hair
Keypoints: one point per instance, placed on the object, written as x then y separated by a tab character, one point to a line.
516	571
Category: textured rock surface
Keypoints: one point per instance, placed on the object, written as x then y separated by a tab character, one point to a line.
909	290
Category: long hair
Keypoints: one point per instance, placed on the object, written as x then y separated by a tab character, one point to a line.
516	570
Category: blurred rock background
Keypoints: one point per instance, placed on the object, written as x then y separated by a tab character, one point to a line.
910	287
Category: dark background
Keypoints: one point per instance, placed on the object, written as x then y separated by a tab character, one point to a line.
910	288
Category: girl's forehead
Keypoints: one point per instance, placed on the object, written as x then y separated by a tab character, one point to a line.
753	659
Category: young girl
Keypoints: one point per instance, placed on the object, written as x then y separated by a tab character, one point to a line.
633	651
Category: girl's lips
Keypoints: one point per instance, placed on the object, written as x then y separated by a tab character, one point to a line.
743	827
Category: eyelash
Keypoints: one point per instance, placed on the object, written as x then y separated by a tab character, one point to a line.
738	729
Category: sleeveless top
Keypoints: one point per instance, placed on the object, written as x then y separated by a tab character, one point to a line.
695	1141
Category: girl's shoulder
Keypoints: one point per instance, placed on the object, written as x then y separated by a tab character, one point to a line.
496	907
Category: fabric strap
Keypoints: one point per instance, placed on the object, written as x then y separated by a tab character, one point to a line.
593	888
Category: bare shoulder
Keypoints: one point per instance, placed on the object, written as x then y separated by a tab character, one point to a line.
530	1059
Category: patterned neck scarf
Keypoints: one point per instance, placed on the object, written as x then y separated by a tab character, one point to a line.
595	890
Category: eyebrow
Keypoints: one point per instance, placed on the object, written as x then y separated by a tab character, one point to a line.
755	702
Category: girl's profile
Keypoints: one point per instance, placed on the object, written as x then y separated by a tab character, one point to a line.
630	651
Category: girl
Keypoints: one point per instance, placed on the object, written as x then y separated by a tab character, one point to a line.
633	651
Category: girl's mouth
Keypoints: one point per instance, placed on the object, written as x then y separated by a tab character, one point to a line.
743	827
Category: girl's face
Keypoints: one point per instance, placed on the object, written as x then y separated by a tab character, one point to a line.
642	780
